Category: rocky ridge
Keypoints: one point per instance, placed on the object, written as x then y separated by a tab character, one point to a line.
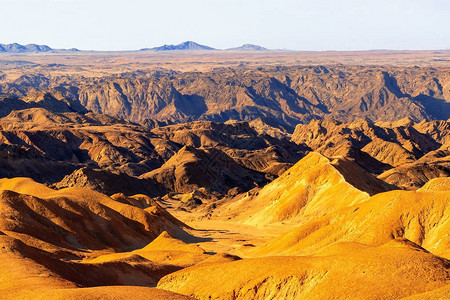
286	95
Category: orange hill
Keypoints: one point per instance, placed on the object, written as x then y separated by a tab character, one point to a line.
352	271
47	238
420	216
306	191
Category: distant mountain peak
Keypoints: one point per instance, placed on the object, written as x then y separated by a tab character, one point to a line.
185	46
249	47
18	48
29	48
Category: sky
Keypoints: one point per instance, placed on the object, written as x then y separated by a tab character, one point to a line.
275	24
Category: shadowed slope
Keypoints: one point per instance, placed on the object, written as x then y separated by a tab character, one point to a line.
110	183
247	146
47	146
29	273
109	155
434	164
193	168
375	147
290	94
110	293
164	250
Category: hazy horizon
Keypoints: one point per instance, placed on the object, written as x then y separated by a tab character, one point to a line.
287	24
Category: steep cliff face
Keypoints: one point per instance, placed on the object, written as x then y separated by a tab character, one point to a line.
289	95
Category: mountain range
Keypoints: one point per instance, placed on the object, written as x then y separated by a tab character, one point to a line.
29	48
185	46
112	155
396	241
285	95
192	46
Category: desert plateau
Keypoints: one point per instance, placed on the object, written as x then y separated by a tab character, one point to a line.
287	175
226	150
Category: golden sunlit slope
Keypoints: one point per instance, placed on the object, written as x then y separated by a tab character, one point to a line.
73	218
26	272
313	187
441	294
395	270
388	152
110	293
48	236
420	216
437	184
164	249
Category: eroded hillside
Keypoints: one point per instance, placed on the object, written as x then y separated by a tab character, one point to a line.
78	243
110	155
288	95
225	176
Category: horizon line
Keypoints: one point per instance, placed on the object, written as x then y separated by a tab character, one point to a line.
235	48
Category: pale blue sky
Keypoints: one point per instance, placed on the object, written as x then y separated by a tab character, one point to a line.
290	24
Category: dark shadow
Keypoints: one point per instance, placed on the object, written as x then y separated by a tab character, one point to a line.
434	107
437	108
190	105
